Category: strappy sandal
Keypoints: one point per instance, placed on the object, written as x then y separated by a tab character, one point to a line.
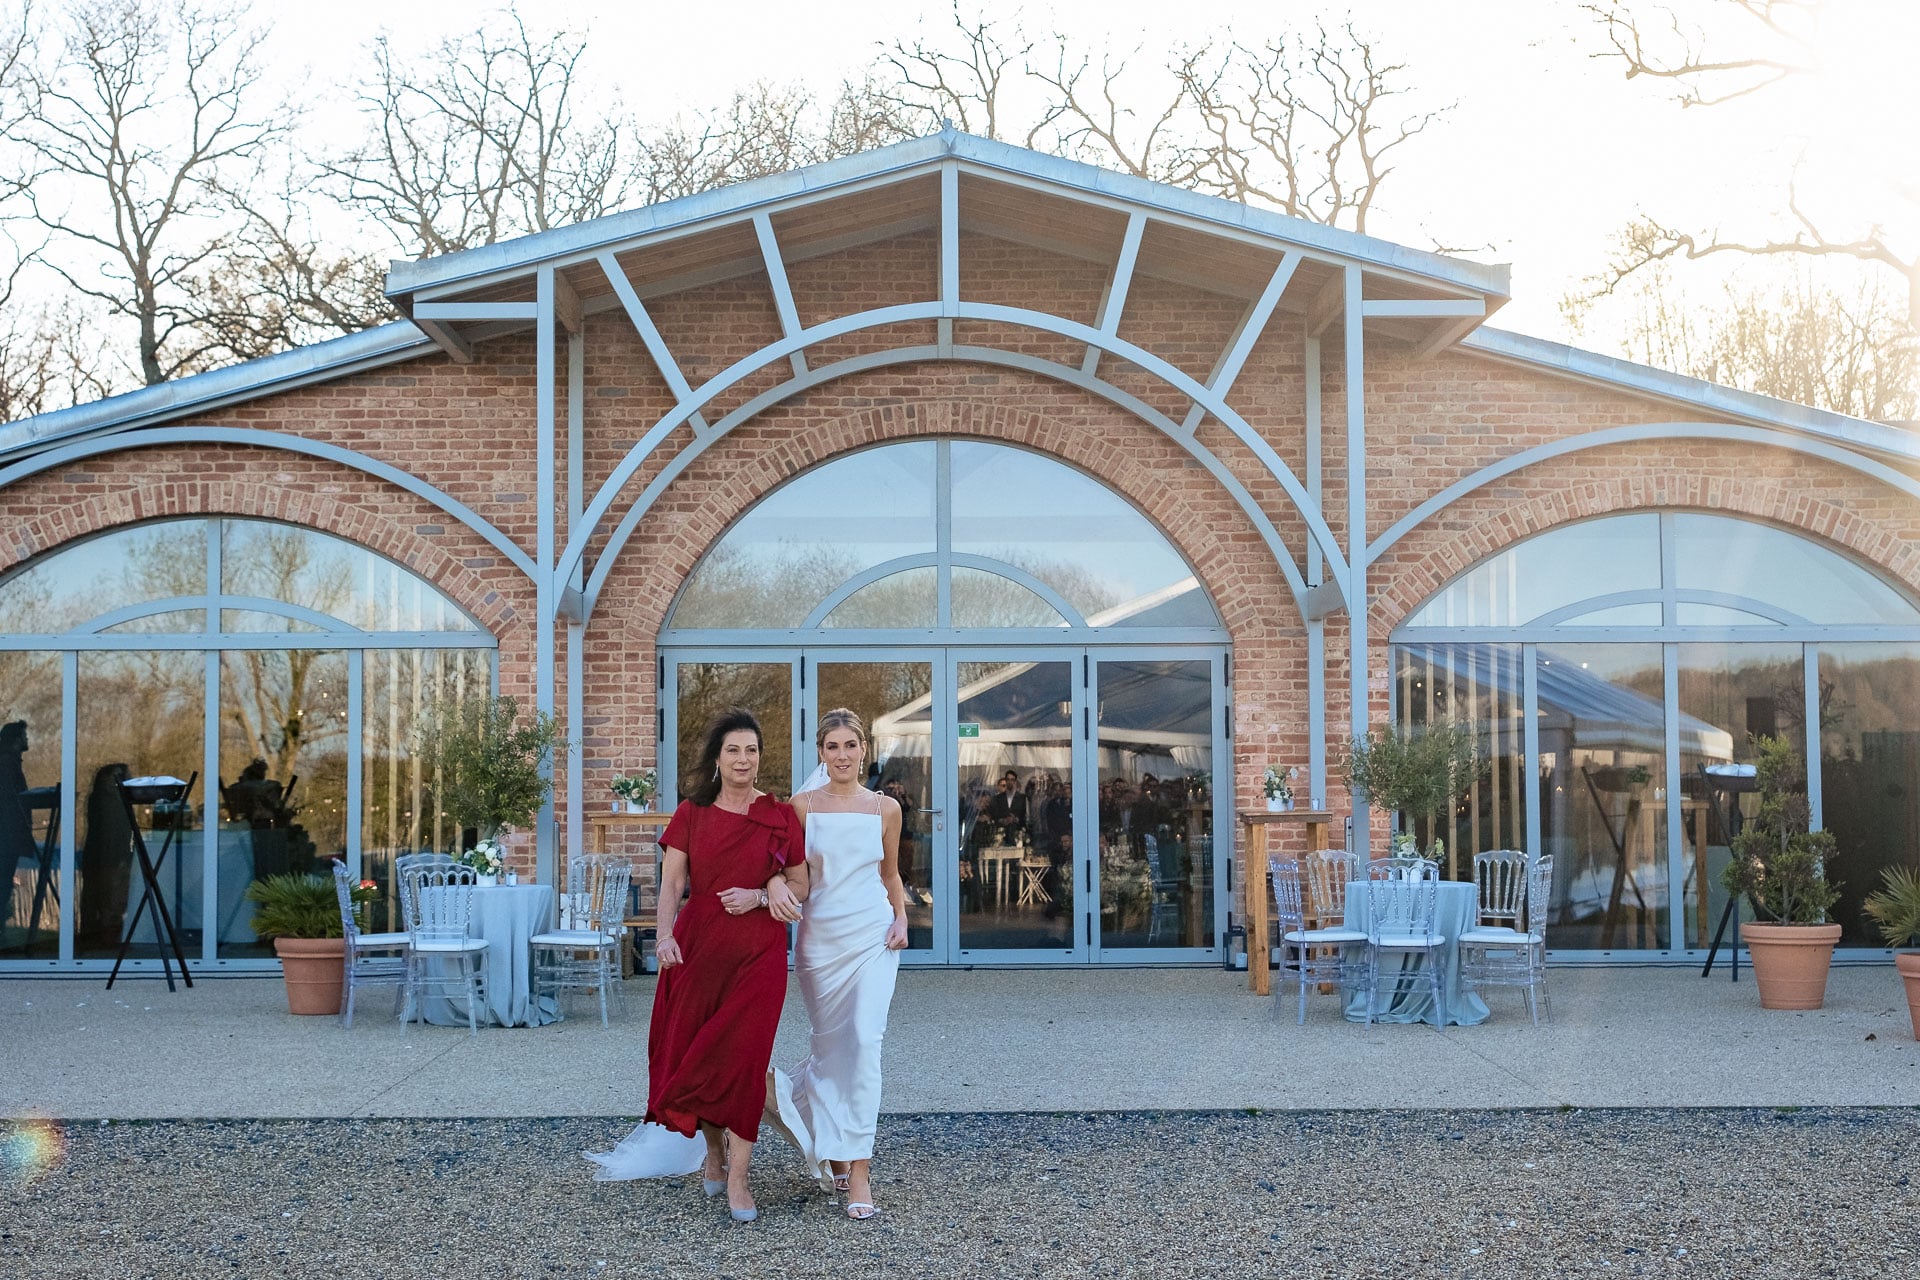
854	1207
841	1181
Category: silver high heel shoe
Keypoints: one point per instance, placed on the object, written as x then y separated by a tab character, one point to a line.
743	1215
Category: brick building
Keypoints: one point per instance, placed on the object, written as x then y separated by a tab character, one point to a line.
1055	475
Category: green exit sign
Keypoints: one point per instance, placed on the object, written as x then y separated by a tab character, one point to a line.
969	729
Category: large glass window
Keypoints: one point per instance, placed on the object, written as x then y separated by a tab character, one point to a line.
960	533
1661	645
237	653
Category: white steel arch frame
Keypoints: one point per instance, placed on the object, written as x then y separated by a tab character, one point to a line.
571	559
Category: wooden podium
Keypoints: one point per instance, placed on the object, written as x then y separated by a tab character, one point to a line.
1260	885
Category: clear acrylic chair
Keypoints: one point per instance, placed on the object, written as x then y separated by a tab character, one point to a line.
1168	890
437	899
583	953
373	959
1401	927
1500	879
1493	955
1328	872
1310	956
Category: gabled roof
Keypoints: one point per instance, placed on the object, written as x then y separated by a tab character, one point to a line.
1003	191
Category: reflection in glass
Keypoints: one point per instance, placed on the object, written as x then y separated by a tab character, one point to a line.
1482	686
1730	694
136	565
904	599
1156	820
140	714
1603	794
332	576
1066	529
765	688
812	534
1551	571
1015	802
282	787
1869	771
400	810
884	695
31	890
1787	570
1691	614
982	599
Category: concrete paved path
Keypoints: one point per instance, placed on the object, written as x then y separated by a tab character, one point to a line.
978	1041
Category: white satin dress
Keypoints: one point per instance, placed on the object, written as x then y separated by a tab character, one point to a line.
830	1105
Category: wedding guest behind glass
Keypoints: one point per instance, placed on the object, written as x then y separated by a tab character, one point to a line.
16	824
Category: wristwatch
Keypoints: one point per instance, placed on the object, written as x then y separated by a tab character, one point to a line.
763	897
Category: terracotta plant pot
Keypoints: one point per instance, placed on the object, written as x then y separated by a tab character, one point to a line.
1790	962
313	968
1908	963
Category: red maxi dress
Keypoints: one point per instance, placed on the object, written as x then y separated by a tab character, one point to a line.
714	1015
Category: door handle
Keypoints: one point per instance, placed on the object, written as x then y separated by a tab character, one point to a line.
940	819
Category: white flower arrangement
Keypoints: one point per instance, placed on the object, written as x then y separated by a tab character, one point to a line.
486	858
1279	785
638	787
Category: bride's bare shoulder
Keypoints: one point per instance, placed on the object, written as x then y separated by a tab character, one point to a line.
889	807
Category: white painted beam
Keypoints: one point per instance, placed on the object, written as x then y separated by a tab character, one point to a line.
476	311
1422	308
782	290
650	335
1113	303
1252	324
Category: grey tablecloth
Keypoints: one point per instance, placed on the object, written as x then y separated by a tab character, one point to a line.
1456	911
507	916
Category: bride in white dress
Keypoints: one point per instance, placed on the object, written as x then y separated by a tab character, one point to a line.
846	959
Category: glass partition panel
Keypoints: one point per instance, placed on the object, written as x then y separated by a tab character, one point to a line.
332	576
982	599
31	891
1551	571
909	598
282	788
1789	570
900	765
1155	747
1066	529
1730	694
59	591
1869	771
1602	724
141	714
1014	795
812	534
1481	686
400	809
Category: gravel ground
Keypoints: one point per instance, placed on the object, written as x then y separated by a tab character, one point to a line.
1704	1193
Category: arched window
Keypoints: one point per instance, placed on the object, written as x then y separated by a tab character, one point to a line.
1618	672
942	534
288	669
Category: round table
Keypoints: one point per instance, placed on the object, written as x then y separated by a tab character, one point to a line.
506	916
1456	909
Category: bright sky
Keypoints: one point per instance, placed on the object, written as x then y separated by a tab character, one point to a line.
1547	152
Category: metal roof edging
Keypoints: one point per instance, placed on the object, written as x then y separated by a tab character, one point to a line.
339	357
1747	406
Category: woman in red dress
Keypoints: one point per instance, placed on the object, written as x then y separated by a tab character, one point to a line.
723	957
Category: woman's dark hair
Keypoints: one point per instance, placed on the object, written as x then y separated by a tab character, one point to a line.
706	770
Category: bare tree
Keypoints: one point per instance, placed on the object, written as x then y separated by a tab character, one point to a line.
1849	353
1767	39
1305	124
481	142
128	124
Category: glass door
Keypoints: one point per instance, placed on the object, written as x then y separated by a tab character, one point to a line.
893	693
1158	729
1019	886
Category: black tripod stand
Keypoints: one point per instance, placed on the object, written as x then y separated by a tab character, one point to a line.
171	793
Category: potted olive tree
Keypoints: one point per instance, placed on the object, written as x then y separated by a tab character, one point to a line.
302	916
1781	868
1412	773
492	764
1896	909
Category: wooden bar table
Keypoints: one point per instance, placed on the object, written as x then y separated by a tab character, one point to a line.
1260	885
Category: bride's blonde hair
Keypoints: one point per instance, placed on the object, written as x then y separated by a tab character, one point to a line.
839	718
